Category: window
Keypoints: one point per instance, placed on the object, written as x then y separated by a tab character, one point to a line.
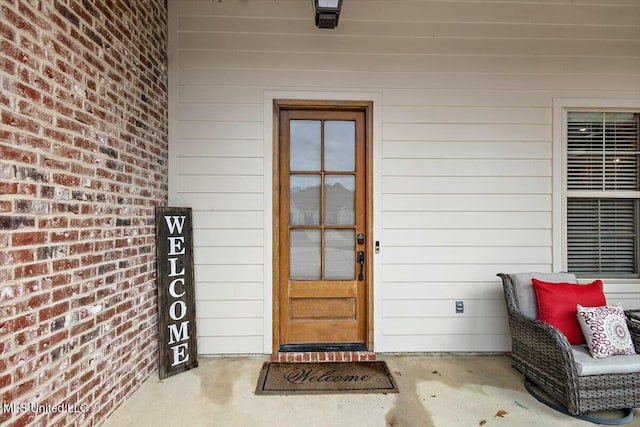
603	193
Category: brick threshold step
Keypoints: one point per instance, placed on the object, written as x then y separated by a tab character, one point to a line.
324	356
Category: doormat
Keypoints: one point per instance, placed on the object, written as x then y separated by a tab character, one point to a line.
325	378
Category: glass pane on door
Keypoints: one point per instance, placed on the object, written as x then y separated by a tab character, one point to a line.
339	146
322	199
304	199
339	254
304	254
305	145
339	199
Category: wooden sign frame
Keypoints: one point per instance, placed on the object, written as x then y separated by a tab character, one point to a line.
176	291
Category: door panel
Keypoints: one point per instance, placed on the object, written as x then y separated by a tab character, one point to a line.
322	205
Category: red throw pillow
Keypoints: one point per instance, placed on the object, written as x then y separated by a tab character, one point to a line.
558	302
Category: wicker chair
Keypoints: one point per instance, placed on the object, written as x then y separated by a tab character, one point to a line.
568	374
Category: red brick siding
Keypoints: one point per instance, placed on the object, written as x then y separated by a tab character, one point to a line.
83	146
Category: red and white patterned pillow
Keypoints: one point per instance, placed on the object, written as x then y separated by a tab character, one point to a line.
605	330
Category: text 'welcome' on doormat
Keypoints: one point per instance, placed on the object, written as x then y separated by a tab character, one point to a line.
325	378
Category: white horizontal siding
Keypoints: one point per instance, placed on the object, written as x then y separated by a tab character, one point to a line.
228	237
228	255
229	309
623	293
474	238
466	202
433	308
463	185
467	90
464	220
208	23
472	115
384	45
219	291
466	150
221	94
227	220
466	167
223	148
241	344
202	183
628	301
220	112
462	255
556	12
464	325
225	201
332	63
450	342
212	273
219	166
227	130
506	97
452	291
466	132
231	327
440	275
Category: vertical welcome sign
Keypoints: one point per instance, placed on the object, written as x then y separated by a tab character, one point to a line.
176	296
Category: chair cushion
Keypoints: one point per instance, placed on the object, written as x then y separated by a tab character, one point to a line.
587	365
605	330
524	293
558	305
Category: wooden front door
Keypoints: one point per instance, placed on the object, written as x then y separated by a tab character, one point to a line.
322	242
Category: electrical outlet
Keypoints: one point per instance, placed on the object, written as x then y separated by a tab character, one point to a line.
459	307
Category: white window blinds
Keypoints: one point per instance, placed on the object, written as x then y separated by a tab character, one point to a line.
602	151
602	193
601	235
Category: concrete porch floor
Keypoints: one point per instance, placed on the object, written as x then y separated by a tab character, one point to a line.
435	390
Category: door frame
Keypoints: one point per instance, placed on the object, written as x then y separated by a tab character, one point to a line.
335	105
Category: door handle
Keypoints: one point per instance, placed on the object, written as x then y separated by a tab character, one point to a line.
361	262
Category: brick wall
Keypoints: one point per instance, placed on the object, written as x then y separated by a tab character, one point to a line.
83	145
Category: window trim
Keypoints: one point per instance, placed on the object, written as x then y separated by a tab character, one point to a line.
561	106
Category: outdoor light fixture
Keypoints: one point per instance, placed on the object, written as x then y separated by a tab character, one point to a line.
327	12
